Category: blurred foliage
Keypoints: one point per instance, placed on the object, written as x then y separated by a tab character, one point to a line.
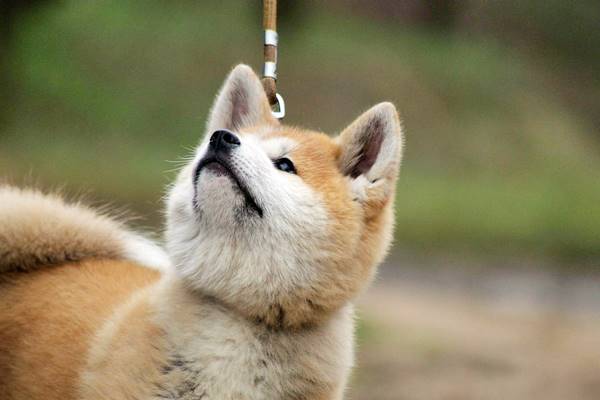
498	159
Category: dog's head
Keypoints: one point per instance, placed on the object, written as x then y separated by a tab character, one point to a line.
282	224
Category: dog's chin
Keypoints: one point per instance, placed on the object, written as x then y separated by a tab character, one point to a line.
217	170
218	194
215	188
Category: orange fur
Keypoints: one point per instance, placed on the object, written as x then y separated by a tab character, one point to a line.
48	319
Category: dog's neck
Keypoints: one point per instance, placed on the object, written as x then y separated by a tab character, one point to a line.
205	335
275	285
175	289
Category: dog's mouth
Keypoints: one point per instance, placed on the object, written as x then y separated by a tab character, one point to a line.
220	167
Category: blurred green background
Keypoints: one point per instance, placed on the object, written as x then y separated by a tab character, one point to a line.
500	102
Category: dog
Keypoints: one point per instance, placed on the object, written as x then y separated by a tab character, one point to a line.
271	233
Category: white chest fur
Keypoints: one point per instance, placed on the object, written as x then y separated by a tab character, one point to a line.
216	354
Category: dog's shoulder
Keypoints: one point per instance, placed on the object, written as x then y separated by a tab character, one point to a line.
53	315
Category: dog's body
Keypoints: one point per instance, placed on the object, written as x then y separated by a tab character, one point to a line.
272	231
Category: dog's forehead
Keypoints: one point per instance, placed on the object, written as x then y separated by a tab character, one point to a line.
302	143
278	145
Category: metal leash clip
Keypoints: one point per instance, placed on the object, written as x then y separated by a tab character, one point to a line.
279	113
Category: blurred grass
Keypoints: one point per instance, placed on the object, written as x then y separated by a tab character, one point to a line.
107	92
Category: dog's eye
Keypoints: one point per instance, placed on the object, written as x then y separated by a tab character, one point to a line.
285	165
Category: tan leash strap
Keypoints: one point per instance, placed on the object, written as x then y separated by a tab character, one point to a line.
269	79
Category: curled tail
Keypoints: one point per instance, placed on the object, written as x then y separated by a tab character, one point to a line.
38	229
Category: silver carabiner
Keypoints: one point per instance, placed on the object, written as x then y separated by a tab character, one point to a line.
279	113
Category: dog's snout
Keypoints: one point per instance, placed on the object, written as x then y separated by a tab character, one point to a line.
223	140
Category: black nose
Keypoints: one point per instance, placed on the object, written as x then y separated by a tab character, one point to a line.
223	140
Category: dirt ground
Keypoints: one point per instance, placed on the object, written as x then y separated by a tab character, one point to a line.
421	341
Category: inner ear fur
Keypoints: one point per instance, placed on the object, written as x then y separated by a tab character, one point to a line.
241	102
371	146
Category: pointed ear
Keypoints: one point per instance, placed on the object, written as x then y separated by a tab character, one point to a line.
241	102
371	150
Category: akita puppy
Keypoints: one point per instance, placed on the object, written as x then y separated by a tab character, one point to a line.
272	231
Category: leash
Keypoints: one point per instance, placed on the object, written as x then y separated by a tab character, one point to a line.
269	79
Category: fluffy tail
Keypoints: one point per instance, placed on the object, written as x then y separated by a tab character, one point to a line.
37	229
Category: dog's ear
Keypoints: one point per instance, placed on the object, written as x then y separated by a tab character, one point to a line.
241	102
371	150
